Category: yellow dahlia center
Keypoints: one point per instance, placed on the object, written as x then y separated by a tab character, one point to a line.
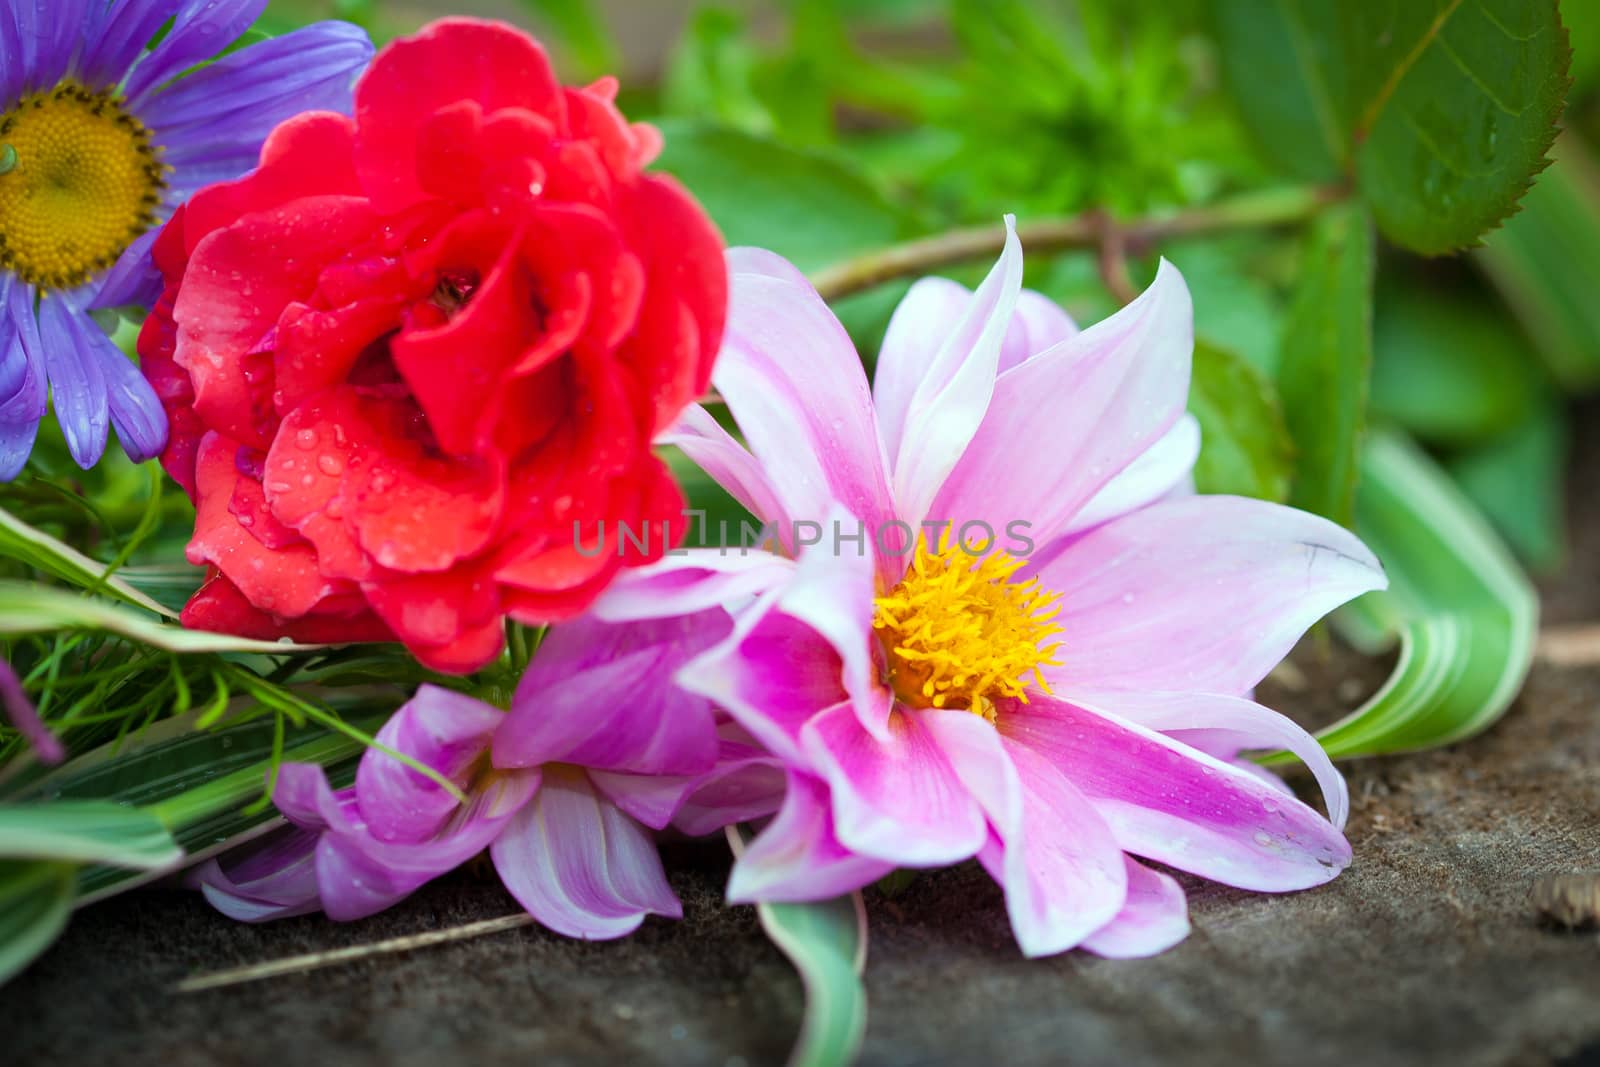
79	180
960	631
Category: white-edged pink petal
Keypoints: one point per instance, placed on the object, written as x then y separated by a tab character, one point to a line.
950	401
1174	804
716	451
1154	918
791	377
1065	422
797	857
1038	324
689	582
1230	725
1160	470
579	865
746	784
898	800
923	320
1203	593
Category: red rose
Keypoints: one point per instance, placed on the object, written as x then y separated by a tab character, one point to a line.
412	353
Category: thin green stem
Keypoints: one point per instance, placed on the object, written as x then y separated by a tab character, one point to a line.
1091	230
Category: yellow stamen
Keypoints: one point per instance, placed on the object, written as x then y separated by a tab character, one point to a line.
82	183
962	632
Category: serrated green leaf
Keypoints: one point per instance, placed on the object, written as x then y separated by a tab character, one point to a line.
813	209
37	549
1465	616
87	831
1545	262
1449	366
1518	481
827	943
1245	447
1440	110
29	609
1325	359
35	901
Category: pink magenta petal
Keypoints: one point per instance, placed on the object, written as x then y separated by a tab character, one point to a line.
689	583
772	675
602	695
797	857
270	879
897	800
1060	865
650	799
305	798
715	451
24	717
445	730
1038	324
746	784
579	865
791	377
1065	422
1177	805
1228	725
1154	918
950	401
1203	593
1164	467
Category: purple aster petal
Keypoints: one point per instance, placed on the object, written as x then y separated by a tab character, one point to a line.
1153	919
219	116
602	695
21	410
77	384
133	280
200	29
124	28
13	69
439	728
130	400
270	879
47	37
25	719
797	857
579	865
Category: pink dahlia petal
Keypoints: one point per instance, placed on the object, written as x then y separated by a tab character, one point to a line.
717	453
1125	381
797	857
271	879
1204	593
746	784
579	865
305	798
1038	325
1060	864
1163	468
601	695
792	379
1174	804
949	402
898	799
445	730
689	583
1227	725
1153	919
923	320
650	799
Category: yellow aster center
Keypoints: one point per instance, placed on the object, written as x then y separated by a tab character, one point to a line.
79	180
961	631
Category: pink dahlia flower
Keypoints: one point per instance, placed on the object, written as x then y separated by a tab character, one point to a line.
564	791
1055	707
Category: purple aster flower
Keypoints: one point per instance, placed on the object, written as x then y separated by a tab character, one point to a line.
100	139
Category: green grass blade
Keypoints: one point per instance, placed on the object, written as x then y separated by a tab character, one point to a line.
26	608
39	550
87	831
35	900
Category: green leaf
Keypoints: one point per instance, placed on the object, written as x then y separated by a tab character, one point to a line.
811	208
35	901
1325	358
87	831
26	608
39	550
1518	480
1545	262
1465	616
711	73
1449	366
827	943
1440	110
1244	446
